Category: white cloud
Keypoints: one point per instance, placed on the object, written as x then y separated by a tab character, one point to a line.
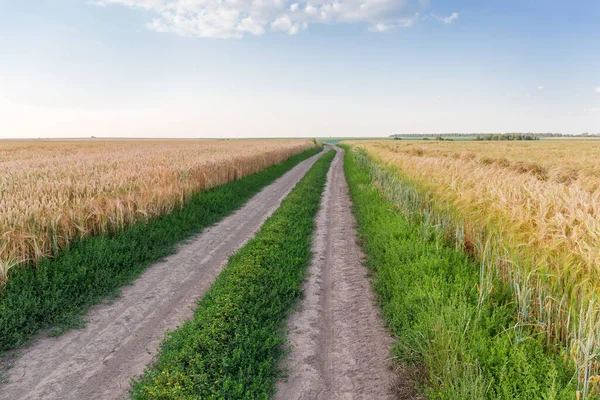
399	23
249	25
234	18
407	22
598	89
381	27
592	110
447	20
310	9
285	24
540	87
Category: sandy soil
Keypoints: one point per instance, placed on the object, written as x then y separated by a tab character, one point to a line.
120	338
340	349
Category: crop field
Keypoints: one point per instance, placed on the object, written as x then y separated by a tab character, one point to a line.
292	269
529	212
239	310
54	192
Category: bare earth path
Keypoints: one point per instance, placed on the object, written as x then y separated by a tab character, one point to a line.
340	349
119	340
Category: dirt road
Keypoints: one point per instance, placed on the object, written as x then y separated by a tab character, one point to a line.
340	349
120	338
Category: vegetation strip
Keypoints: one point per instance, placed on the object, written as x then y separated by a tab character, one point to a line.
460	341
58	291
531	214
55	192
232	346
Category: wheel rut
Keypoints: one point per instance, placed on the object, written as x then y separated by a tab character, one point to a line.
121	338
339	346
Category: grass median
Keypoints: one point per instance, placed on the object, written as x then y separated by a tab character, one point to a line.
452	340
57	292
231	348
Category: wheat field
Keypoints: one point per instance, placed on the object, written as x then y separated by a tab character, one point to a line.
531	212
53	192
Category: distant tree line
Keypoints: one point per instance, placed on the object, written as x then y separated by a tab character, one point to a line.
491	136
508	136
585	134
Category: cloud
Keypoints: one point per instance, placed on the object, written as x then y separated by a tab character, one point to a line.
407	22
285	24
540	87
399	23
598	89
235	18
249	25
447	20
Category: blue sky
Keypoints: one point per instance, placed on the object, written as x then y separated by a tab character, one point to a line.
248	68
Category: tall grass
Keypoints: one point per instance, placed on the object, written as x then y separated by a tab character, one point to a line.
57	292
452	319
232	346
52	193
527	213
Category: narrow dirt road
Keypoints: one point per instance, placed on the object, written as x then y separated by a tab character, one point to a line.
120	338
340	349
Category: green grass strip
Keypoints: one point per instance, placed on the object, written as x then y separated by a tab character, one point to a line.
58	291
428	292
232	346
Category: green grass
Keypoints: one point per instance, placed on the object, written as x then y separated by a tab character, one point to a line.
464	344
232	346
57	292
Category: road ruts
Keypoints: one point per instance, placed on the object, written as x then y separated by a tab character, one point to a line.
98	361
340	348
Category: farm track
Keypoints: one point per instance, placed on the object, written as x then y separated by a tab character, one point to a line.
340	348
120	339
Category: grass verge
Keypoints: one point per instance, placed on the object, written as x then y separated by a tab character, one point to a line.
460	337
57	292
232	346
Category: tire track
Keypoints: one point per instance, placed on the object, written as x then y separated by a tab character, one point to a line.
340	348
120	338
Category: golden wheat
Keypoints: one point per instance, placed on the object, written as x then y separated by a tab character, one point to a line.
537	205
52	192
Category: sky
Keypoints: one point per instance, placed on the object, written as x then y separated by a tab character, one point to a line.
297	68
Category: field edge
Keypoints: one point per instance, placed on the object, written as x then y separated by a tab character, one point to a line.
452	342
57	293
232	347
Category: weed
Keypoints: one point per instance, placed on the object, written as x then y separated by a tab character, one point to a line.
232	346
530	212
446	313
93	267
56	192
68	323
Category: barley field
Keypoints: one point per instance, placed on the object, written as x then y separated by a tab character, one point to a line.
531	213
53	192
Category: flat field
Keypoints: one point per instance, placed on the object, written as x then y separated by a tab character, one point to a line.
53	192
529	211
482	256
